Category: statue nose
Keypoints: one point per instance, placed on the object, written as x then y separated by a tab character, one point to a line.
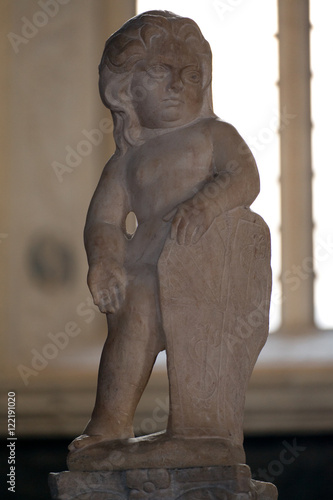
175	81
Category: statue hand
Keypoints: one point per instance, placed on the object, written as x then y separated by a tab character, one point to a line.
107	283
191	220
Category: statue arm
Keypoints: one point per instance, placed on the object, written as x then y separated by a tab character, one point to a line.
235	184
105	241
237	179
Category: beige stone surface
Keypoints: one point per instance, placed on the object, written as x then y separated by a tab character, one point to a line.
194	279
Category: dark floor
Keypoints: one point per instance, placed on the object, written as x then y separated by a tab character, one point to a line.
301	467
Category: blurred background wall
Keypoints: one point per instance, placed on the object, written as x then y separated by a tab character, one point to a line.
56	137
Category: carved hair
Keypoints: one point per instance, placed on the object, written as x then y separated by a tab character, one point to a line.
129	45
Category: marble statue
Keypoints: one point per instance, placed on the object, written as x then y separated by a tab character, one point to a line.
194	278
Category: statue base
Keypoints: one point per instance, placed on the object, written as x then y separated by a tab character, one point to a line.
195	483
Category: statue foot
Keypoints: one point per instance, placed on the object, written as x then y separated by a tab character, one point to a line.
155	451
99	430
88	438
85	440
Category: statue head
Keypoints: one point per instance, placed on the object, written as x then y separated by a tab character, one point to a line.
155	73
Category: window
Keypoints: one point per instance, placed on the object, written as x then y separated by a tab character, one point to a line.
321	14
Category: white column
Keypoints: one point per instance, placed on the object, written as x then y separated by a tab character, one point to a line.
296	172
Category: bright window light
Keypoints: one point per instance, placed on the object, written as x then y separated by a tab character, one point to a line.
321	14
245	74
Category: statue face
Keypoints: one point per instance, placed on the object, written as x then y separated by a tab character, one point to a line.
167	86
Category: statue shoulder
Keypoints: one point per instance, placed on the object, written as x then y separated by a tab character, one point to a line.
115	168
221	130
228	144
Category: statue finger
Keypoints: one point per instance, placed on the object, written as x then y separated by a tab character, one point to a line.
199	230
191	230
182	231
170	215
175	225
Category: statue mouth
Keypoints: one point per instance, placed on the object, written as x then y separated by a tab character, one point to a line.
173	101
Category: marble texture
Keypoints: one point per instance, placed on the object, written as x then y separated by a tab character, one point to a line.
193	278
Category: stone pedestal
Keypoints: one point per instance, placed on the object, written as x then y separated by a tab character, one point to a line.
197	483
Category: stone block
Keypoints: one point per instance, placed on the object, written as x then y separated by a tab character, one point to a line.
197	483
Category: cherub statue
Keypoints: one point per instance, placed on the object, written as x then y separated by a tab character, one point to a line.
189	178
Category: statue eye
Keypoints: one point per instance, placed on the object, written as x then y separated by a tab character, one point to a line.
157	71
190	75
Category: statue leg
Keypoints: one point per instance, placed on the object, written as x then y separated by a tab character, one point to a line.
134	339
214	299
